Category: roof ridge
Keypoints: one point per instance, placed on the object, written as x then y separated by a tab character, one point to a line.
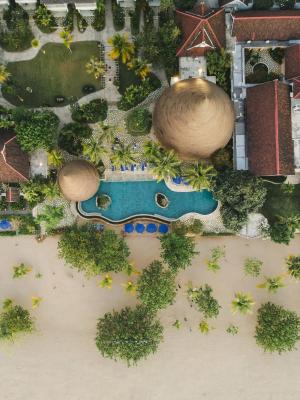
276	119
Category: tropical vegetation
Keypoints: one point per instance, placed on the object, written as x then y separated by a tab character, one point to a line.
202	297
139	121
242	303
122	48
94	111
252	266
128	335
50	217
44	19
15	321
293	266
95	67
71	137
217	253
200	175
123	155
272	284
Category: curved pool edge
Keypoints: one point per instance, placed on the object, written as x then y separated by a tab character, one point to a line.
156	218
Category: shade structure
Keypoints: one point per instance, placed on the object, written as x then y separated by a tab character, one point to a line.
128	228
194	117
163	228
78	180
177	180
140	228
5	224
151	228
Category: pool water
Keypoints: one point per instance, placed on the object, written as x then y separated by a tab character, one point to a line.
133	198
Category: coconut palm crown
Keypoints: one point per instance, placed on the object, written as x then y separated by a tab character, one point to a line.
140	67
167	166
94	150
242	303
95	67
122	155
4	74
200	175
121	48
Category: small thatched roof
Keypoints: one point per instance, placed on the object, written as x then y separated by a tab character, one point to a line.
78	180
194	117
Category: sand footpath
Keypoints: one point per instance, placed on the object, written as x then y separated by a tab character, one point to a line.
61	362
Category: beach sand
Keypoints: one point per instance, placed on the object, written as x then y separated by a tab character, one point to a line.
61	362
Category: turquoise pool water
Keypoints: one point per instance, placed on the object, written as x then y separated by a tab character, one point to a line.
138	198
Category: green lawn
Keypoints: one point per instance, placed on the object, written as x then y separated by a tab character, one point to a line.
279	203
55	71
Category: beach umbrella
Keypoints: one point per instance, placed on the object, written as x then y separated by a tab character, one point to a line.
163	228
5	224
151	228
177	180
140	228
128	228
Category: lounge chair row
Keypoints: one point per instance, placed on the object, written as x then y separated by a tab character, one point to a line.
131	167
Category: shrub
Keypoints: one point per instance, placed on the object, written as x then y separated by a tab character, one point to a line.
217	253
286	4
262	4
277	329
293	264
222	158
219	64
51	217
71	137
240	194
93	252
128	335
81	22
94	111
272	284
138	122
135	94
242	303
177	251
14	321
38	189
204	301
44	19
103	201
193	226
21	270
283	229
37	129
68	22
99	16
277	54
156	287
118	15
252	266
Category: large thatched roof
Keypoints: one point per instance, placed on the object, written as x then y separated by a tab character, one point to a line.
194	117
78	180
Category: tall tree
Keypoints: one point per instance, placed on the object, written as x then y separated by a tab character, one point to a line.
123	155
167	166
200	175
122	48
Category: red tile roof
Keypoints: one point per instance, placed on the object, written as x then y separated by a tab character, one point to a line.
296	88
269	130
14	162
204	28
292	61
266	25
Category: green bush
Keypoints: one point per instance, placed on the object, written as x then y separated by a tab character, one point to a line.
277	54
204	301
103	201
252	267
293	264
37	129
135	94
262	4
38	189
81	22
44	19
50	217
283	229
68	22
277	329
71	137
219	64
93	252
177	251
128	335
156	287
99	16
94	111
15	321
138	122
18	35
118	15
135	21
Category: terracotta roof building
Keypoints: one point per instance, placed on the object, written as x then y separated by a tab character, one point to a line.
266	25
292	67
202	30
269	130
14	162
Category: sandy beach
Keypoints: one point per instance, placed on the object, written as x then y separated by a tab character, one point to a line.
61	362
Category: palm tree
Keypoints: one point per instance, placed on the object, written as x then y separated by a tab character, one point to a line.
4	74
67	38
107	132
293	264
95	67
106	282
122	155
152	151
36	301
121	48
272	284
242	303
168	166
130	287
55	158
43	15
200	175
140	67
51	190
94	150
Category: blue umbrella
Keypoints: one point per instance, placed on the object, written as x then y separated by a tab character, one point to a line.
177	180
128	228
151	228
5	224
140	228
163	228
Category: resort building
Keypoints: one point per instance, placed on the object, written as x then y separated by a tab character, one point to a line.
60	7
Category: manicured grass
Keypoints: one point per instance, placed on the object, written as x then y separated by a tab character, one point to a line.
280	203
127	77
55	71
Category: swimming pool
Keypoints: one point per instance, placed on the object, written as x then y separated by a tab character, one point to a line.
137	198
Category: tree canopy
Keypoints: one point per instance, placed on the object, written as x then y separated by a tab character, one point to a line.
14	321
93	252
156	286
277	329
128	334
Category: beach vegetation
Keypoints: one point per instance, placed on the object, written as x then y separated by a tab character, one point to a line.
242	303
71	137
252	266
15	321
272	284
203	299
21	270
293	266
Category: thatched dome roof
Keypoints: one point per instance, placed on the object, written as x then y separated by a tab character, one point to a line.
194	117
78	180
